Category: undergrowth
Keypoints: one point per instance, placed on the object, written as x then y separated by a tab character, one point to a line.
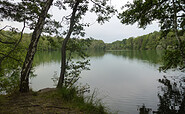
89	104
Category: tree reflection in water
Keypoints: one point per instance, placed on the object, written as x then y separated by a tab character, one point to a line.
171	96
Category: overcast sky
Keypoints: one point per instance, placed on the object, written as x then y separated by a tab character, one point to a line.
108	32
114	30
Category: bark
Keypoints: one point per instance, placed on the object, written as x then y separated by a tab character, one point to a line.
24	83
63	49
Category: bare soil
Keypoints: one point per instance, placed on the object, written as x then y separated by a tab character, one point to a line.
41	102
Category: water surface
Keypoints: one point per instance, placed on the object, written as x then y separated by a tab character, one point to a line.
124	79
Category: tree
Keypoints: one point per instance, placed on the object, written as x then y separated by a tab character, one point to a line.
25	12
79	9
11	57
170	14
24	83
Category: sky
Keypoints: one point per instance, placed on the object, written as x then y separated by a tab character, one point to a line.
108	32
114	30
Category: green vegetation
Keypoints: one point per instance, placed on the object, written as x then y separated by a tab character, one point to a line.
89	104
48	43
170	14
51	100
18	49
152	41
12	56
97	45
74	102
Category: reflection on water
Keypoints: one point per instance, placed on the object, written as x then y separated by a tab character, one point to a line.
171	96
125	79
43	57
150	56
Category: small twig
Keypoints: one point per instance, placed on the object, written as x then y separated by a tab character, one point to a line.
30	105
57	107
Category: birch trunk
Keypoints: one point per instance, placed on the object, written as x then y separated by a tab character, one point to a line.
24	81
63	49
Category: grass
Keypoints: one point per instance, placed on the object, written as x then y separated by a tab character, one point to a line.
89	104
49	101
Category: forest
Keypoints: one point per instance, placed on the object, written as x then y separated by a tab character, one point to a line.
18	49
152	41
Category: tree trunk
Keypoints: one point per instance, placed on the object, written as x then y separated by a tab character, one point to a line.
24	81
63	49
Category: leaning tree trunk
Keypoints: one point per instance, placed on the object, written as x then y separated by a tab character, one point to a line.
24	83
64	44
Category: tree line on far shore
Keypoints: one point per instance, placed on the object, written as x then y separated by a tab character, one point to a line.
151	41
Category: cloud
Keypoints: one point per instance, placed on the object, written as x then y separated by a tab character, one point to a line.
114	30
108	32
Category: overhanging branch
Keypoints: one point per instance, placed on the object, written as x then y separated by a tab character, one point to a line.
4	27
11	57
16	45
5	42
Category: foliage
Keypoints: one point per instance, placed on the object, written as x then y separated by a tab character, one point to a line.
10	67
146	11
27	11
48	43
11	58
144	110
169	13
90	104
76	27
9	84
152	41
74	68
97	45
33	14
172	59
172	98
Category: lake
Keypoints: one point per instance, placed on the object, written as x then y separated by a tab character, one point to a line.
124	80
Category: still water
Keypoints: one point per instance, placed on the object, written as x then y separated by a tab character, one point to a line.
124	79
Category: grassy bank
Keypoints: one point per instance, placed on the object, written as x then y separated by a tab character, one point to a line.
49	101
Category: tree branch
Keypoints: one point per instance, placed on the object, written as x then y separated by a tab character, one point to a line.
5	27
182	8
97	4
11	57
180	16
5	42
16	45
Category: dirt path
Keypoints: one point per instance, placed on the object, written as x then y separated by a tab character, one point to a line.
42	102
